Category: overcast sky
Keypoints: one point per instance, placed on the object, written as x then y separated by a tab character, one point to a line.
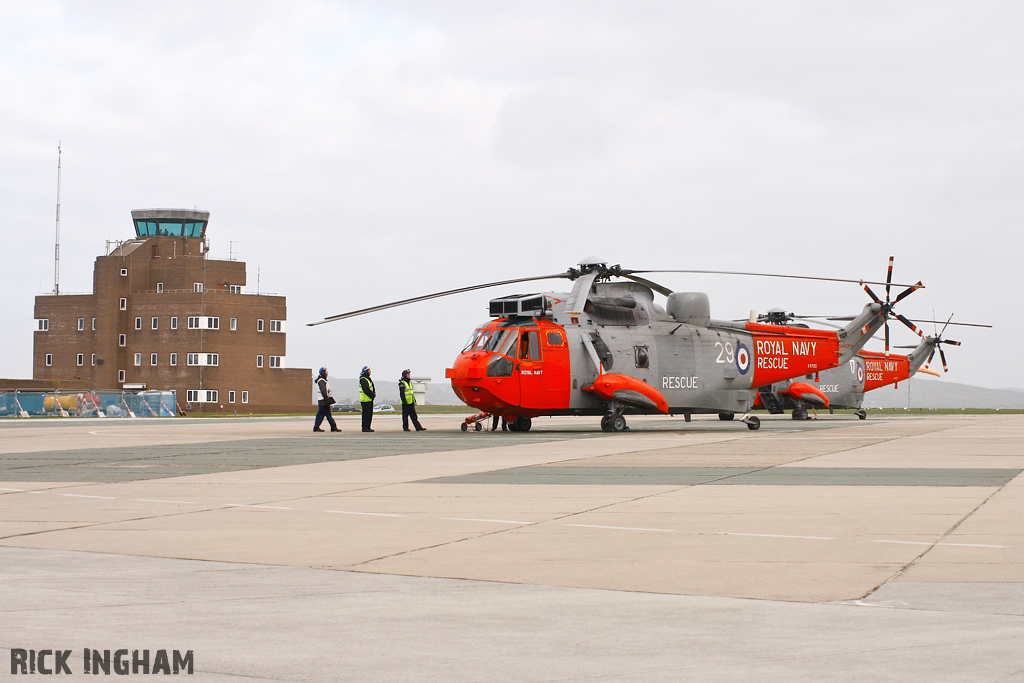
359	153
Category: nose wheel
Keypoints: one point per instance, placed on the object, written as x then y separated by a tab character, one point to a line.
614	423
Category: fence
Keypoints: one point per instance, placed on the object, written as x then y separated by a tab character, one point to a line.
36	403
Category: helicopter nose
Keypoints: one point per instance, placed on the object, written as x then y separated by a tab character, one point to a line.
472	385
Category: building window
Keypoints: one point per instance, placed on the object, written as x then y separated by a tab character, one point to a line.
259	325
152	359
203	359
120	375
275	361
201	396
277	326
193	323
156	322
81	324
174	322
174	359
213	323
94	324
49	359
259	361
94	359
43	325
203	323
245	397
231	397
124	304
236	289
197	287
124	272
192	396
121	340
159	288
233	324
138	323
138	359
212	396
81	359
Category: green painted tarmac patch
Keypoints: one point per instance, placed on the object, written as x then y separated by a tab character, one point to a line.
133	463
773	476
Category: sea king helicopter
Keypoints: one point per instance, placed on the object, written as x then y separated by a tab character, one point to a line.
844	387
606	348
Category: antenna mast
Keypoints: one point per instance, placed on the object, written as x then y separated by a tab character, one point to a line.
56	246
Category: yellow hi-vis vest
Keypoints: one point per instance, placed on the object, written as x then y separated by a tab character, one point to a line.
408	397
363	397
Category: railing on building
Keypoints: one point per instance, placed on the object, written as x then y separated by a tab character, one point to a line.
40	403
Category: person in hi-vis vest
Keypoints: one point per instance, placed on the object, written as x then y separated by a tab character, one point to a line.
366	396
408	403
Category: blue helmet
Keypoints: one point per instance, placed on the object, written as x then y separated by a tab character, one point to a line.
323	371
364	370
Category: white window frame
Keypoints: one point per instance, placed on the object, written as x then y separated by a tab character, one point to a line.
233	324
193	322
138	323
277	326
81	324
196	358
159	288
197	287
124	304
49	359
94	359
155	323
235	289
201	395
153	359
174	359
174	322
138	359
231	397
81	359
94	324
122	340
276	361
42	324
245	397
120	376
124	272
259	361
259	325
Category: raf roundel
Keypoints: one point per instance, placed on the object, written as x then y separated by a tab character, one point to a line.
742	359
860	372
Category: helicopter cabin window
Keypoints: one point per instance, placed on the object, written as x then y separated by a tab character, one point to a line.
529	345
554	339
474	340
481	341
643	358
495	340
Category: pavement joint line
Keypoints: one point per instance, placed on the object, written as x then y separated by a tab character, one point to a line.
157	500
495	521
370	514
736	533
620	528
962	545
83	495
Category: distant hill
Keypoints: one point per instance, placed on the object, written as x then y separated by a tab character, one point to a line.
938	393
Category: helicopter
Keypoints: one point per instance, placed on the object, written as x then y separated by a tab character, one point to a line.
844	387
606	348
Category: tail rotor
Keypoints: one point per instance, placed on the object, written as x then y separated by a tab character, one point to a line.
887	305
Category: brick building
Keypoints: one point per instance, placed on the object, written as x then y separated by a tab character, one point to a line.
164	315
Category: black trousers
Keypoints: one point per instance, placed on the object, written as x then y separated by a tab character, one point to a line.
367	414
324	411
409	412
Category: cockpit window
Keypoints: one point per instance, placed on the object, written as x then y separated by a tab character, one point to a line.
473	339
496	339
529	346
482	341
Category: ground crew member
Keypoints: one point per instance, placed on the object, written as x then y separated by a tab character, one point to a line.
324	401
366	396
408	403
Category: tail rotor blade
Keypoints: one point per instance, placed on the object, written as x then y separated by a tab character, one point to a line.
907	292
906	321
950	341
943	357
930	356
888	279
886	338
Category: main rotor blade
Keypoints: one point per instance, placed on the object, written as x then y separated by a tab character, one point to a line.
887	338
939	322
944	326
888	279
907	292
791	277
664	291
393	304
906	321
872	294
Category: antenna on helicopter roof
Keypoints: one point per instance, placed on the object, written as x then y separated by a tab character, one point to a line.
56	246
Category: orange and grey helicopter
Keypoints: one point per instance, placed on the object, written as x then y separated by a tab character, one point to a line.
844	387
606	348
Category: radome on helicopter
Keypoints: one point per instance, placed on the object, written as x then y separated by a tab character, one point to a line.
606	348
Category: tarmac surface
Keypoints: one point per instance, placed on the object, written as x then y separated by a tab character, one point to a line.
835	549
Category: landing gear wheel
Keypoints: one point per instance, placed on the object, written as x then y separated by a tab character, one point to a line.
604	423
617	423
753	423
523	424
512	426
478	427
726	417
862	414
465	426
799	413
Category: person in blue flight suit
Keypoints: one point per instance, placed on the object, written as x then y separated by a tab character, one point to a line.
366	396
324	400
405	393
